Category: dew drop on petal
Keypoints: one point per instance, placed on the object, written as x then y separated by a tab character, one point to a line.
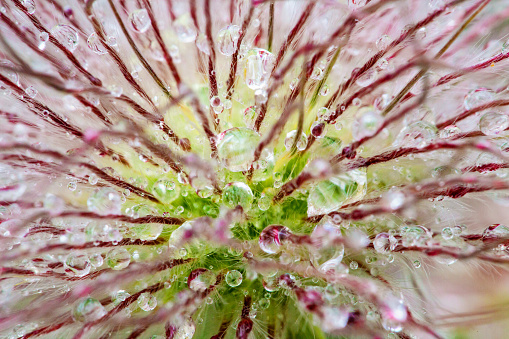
184	27
478	97
237	193
94	43
66	35
493	123
104	201
258	67
227	39
272	238
328	195
264	202
418	134
186	331
139	20
233	278
147	302
447	233
449	132
166	190
367	78
77	264
29	5
118	259
290	139
235	148
200	279
318	129
88	309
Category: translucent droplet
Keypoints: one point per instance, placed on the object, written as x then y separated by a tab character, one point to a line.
31	91
233	278
327	256
493	123
139	20
77	264
227	39
415	236
53	204
203	44
318	130
264	303
29	5
184	27
367	78
72	186
354	265
264	202
272	238
328	195
104	201
393	200
258	67
290	139
120	296
88	309
418	134
384	242
186	331
235	148
118	258
66	35
417	264
383	42
496	231
237	193
147	302
201	279
447	233
357	3
93	179
436	4
478	97
450	132
96	260
317	74
94	43
261	96
366	124
166	190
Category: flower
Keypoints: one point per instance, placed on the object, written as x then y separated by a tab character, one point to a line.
252	169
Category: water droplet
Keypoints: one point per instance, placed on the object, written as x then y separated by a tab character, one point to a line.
200	279
186	331
325	90
104	201
233	278
66	35
264	303
354	265
203	44
366	124
447	233
29	5
264	202
72	186
147	301
290	138
93	179
317	74
258	67
77	264
478	97
120	296
418	134
237	193
227	39
393	200
496	231
53	204
328	195
272	238
31	91
166	190
450	132
436	4
318	129
367	78
118	258
88	309
384	242
140	20
493	123
357	3
94	43
96	260
235	148
417	264
184	27
415	236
